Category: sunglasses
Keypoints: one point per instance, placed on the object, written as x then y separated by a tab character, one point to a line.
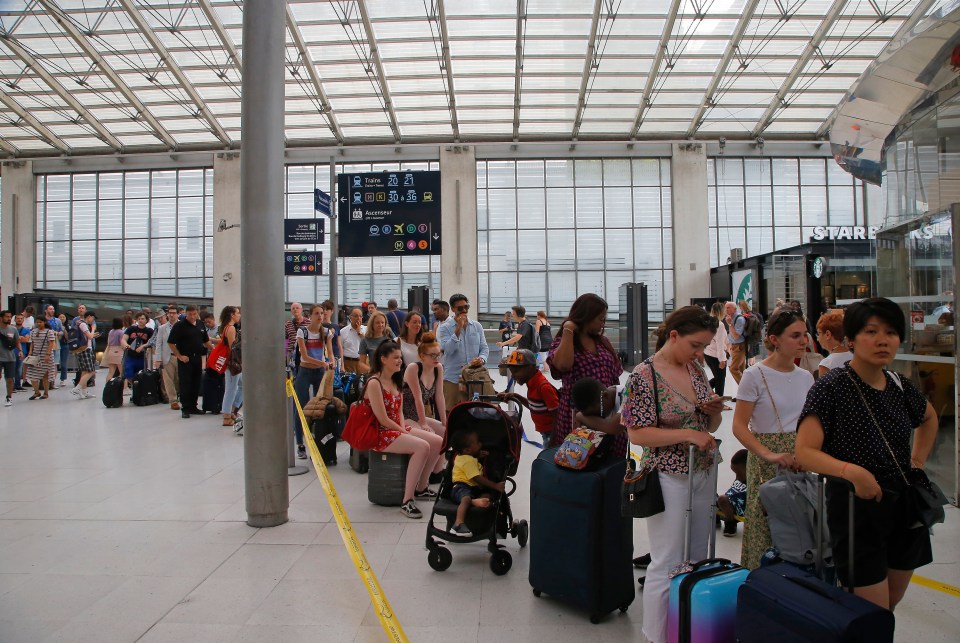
463	308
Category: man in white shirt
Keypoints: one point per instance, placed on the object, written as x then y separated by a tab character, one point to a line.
350	336
163	359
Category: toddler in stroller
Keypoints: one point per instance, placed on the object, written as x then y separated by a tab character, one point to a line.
474	493
468	478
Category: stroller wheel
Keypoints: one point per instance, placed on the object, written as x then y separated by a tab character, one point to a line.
440	558
521	531
500	562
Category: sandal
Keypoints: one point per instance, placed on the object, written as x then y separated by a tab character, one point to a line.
228	420
44	396
34	396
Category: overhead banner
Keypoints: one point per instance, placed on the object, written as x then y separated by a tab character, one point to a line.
388	214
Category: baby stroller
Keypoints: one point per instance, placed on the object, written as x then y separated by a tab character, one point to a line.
500	433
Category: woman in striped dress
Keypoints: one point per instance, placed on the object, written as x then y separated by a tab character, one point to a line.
43	340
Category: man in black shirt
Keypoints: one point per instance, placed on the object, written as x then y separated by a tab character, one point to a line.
187	340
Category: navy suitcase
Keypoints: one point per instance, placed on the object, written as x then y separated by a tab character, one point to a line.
212	385
145	388
789	605
581	547
113	392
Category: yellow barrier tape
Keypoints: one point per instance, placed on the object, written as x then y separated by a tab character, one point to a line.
388	619
937	585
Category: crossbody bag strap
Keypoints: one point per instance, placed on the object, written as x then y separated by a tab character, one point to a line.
879	430
770	395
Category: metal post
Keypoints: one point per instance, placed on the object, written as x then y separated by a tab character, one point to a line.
261	246
333	236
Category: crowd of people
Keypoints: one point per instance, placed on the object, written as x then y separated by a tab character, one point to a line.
846	416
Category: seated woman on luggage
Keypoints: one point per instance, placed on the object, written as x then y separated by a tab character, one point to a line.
382	394
134	342
857	424
421	404
468	479
769	400
669	406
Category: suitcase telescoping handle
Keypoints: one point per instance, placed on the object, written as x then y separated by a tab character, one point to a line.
821	516
688	519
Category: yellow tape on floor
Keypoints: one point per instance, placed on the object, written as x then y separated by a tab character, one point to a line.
937	585
380	603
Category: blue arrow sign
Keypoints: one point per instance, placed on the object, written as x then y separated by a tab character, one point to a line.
321	202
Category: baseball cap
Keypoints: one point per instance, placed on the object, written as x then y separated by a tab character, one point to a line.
521	357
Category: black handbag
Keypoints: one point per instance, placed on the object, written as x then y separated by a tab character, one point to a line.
925	497
642	496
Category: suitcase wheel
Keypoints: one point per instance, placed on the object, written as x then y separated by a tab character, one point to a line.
500	562
440	558
536	592
595	618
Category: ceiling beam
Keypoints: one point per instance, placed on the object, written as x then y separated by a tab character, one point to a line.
780	99
905	27
381	76
721	71
325	107
590	62
441	16
655	68
8	148
161	50
222	34
105	135
518	67
45	132
84	43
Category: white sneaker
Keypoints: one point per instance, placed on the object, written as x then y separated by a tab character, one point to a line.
9	402
75	391
84	395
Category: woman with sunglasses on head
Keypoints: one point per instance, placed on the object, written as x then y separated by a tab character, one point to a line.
383	394
769	400
422	403
858	424
669	406
580	350
378	331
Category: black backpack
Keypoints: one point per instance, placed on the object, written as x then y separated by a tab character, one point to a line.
752	328
76	339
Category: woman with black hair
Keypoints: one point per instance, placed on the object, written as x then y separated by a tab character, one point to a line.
857	424
668	407
769	400
383	395
580	350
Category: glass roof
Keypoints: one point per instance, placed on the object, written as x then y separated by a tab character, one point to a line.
109	76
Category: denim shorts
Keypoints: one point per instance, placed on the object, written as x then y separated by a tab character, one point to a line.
460	491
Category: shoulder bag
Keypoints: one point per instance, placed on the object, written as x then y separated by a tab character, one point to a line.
362	430
642	496
219	357
33	359
923	494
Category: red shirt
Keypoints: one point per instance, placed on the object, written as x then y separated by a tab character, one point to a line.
544	401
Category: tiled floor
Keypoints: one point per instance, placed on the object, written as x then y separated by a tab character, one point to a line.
128	525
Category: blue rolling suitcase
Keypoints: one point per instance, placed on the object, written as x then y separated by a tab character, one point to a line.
789	604
581	547
703	600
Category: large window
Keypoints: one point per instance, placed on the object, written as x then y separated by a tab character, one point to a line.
766	204
550	230
126	232
360	278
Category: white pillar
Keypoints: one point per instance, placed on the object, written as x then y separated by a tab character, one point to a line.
226	243
691	238
19	230
458	198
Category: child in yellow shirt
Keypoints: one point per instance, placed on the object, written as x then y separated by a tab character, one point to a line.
468	478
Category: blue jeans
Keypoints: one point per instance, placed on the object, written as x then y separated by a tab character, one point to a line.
64	356
233	391
18	381
306	377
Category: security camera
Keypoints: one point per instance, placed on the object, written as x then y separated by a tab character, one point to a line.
227	276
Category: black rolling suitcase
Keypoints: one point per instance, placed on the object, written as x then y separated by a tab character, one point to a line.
212	385
145	388
581	547
787	604
113	393
359	460
326	431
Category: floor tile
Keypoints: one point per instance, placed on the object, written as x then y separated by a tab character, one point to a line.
221	601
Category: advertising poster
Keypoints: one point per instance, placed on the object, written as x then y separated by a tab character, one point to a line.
742	287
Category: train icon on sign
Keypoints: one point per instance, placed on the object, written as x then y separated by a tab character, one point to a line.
428	197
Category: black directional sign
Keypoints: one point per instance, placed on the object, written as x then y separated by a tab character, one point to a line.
302	264
388	214
302	231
